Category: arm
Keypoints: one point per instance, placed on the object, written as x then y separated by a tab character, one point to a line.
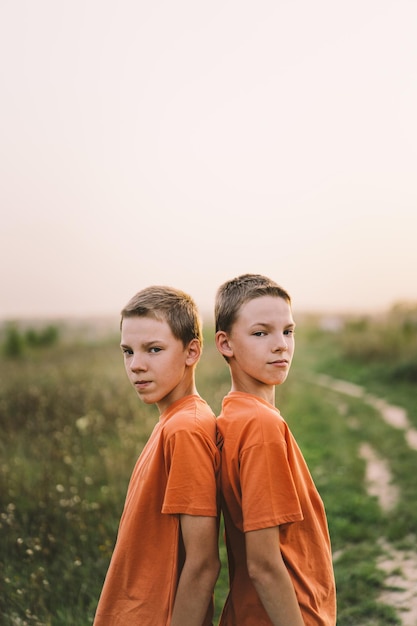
200	571
270	577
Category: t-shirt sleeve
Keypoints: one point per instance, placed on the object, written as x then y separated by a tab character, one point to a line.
190	459
269	495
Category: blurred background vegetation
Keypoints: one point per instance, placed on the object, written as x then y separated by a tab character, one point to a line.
72	428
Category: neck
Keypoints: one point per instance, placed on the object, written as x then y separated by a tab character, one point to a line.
266	392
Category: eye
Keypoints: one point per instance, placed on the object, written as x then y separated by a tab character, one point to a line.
289	331
155	350
127	351
259	333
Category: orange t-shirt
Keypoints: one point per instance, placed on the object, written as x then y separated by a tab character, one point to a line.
265	482
175	474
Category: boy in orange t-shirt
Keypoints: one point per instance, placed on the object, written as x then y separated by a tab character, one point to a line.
280	562
165	562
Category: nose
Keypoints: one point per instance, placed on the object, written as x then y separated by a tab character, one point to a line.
280	344
137	363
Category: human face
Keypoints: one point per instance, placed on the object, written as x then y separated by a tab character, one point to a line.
157	363
261	346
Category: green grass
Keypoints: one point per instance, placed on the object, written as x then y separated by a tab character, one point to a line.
72	429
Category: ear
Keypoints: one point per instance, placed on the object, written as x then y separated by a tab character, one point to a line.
223	345
193	352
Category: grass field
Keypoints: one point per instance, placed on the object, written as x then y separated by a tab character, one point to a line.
72	428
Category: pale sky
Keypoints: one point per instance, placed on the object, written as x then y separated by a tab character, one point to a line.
185	142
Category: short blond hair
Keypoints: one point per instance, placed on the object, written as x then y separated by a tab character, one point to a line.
232	294
174	306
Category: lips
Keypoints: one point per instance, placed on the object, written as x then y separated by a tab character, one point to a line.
141	384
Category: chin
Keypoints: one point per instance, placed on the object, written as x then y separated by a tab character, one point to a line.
281	379
147	400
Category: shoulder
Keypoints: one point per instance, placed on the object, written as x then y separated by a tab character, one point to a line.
191	414
189	435
246	407
244	416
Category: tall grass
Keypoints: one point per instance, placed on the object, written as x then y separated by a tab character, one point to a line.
70	434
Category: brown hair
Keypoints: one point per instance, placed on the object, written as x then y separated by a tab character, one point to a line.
235	292
174	306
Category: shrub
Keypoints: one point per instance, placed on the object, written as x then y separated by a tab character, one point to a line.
16	341
13	345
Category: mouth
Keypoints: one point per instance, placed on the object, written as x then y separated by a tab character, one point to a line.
279	363
141	384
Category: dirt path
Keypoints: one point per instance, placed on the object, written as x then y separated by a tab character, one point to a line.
393	415
401	582
378	478
400	565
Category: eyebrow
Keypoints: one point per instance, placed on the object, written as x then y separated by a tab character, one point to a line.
268	325
146	345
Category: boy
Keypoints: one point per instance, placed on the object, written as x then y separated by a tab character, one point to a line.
280	564
165	562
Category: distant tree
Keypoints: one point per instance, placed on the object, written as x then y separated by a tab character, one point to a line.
13	343
48	336
16	341
31	337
